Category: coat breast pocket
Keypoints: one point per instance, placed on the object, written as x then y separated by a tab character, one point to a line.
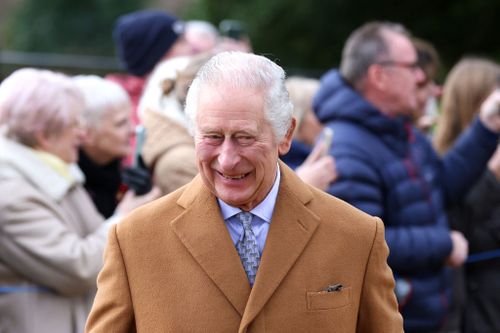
325	300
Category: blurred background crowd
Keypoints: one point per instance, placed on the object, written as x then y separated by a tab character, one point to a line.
92	125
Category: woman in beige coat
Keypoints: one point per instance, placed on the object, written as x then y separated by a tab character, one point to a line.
169	147
51	236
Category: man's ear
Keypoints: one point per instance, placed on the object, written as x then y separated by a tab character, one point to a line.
285	144
376	77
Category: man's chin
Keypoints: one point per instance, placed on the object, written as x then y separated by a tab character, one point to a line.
236	201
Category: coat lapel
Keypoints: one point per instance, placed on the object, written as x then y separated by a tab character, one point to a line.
202	231
291	228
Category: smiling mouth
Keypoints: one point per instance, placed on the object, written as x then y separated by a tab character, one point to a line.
234	177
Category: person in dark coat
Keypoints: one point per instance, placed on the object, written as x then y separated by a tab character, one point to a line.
389	169
477	215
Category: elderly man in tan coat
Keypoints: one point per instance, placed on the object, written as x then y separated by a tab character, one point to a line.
246	246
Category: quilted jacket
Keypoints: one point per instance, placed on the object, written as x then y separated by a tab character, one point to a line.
389	169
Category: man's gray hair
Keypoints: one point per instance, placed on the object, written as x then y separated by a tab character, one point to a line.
364	47
250	72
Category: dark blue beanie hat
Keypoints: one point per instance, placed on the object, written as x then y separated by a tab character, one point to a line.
142	38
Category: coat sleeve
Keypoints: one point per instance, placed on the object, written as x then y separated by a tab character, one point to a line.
113	309
479	215
378	306
466	161
175	168
36	243
360	184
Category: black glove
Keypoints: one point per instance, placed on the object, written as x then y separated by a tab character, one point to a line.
137	178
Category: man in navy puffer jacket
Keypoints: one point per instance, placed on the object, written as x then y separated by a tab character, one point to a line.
389	169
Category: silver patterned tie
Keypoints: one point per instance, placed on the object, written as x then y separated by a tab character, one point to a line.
248	248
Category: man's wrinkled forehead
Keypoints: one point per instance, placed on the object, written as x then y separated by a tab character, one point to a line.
227	90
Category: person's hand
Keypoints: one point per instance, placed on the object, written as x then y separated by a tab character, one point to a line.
426	122
131	201
137	178
459	251
489	113
494	164
318	169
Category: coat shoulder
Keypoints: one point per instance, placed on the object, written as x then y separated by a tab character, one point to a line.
158	214
332	211
19	190
341	215
163	209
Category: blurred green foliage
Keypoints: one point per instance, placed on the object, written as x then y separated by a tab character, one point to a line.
310	34
295	33
62	26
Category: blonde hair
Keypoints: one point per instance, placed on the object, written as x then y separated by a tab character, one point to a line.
165	91
301	91
468	84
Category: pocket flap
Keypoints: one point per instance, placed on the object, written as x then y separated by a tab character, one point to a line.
323	300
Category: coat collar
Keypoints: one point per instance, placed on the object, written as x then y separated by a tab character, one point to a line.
19	160
338	101
203	232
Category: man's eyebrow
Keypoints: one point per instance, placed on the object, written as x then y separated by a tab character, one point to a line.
208	129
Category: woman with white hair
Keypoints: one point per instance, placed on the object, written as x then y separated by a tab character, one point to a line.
107	116
51	236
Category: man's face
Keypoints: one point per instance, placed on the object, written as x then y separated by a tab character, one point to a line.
236	149
402	75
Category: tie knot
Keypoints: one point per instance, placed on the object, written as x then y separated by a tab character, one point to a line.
245	218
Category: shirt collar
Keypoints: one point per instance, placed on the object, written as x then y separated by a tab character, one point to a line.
264	210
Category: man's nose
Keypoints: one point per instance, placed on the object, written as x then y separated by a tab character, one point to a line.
228	155
420	76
